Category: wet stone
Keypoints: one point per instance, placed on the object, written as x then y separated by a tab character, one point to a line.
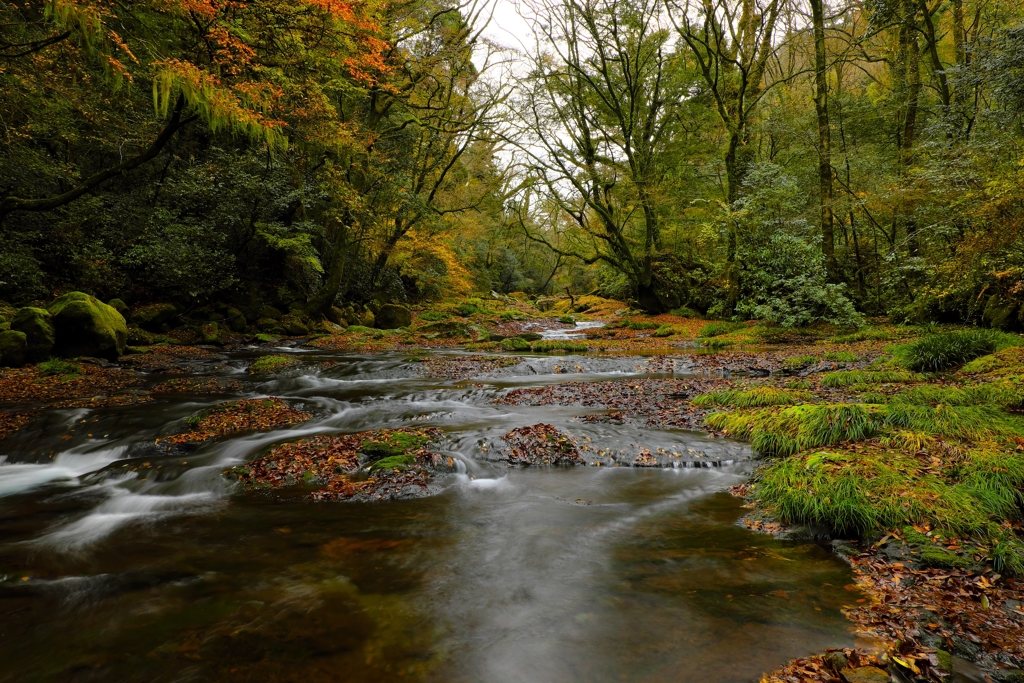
865	674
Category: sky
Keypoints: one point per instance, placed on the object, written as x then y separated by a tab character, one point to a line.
508	28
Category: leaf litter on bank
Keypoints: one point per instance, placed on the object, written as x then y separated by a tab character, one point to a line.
233	417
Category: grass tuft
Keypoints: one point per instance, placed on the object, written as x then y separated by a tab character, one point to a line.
753	398
567	345
938	352
718	328
780	433
57	367
846	378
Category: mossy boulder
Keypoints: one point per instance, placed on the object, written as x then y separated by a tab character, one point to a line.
209	333
235	320
368	319
154	316
37	325
86	326
294	326
335	315
13	348
139	337
121	307
270	312
393	316
545	304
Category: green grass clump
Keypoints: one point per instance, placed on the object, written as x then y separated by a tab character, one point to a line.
268	364
842	356
717	328
567	320
57	367
931	553
866	334
358	329
265	338
945	350
560	345
752	398
514	344
508	316
716	342
669	330
800	361
642	325
394	462
1008	393
684	312
780	433
973	423
846	378
434	316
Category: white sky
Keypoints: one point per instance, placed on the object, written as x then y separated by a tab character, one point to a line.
508	28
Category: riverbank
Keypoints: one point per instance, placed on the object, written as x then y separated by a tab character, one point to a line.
899	447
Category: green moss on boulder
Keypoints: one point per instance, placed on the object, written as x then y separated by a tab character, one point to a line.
154	316
37	325
393	316
85	326
13	348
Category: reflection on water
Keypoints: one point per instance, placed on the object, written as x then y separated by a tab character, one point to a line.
160	571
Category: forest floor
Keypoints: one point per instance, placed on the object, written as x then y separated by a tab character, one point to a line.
913	474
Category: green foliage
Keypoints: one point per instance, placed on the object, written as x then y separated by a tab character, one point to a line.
937	352
866	334
567	320
846	378
716	343
669	330
434	316
752	398
800	361
58	367
685	312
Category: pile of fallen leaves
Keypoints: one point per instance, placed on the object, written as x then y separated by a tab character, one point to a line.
540	444
245	415
12	422
833	666
921	611
331	464
26	385
198	385
462	367
661	401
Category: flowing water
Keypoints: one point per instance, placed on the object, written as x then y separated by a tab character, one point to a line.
164	571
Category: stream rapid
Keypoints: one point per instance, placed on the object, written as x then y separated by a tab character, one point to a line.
165	570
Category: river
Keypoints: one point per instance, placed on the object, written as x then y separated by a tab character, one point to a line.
167	571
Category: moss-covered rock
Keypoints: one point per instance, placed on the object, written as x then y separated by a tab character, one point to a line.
235	320
86	326
139	337
294	326
154	316
37	325
13	348
121	307
368	319
393	316
209	333
270	312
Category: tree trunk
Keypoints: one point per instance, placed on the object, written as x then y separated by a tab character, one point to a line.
325	296
824	140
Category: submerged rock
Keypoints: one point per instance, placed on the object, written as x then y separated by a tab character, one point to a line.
376	465
540	444
85	326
